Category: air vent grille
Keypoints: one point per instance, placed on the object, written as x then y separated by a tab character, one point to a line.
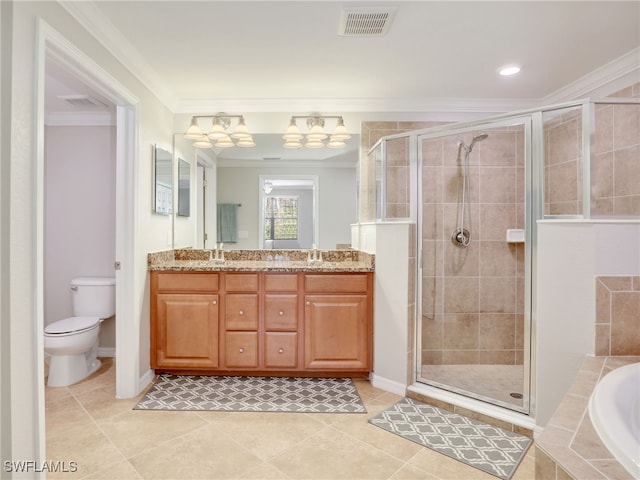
82	101
365	22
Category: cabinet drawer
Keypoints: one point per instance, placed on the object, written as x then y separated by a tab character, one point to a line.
241	311
191	282
280	282
280	312
281	349
347	283
241	282
241	349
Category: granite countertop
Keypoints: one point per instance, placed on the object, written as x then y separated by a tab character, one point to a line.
261	261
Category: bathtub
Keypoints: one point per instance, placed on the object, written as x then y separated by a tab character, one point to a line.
614	408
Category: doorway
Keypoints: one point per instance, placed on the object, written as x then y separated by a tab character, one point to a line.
288	206
53	48
474	308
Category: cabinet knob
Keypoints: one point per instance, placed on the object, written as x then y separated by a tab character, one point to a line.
281	313
241	350
215	302
281	350
307	302
241	312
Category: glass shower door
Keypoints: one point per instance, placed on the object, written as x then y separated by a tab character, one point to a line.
474	308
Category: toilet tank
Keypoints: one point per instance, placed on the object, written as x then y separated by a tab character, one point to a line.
94	296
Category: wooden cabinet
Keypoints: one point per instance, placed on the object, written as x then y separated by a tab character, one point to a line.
337	322
267	323
184	333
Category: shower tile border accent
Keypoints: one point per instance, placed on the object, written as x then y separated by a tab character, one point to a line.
617	321
569	447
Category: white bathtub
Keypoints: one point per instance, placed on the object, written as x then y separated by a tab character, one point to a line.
614	408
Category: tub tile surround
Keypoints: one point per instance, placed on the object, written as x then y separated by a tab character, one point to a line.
262	260
569	447
617	318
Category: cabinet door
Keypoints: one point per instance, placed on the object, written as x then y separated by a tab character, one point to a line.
241	311
241	349
186	331
336	332
280	349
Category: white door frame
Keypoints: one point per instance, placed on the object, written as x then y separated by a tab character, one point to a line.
52	45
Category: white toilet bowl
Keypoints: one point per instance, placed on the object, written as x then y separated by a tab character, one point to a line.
73	346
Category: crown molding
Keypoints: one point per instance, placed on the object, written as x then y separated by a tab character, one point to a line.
79	119
90	17
608	79
359	105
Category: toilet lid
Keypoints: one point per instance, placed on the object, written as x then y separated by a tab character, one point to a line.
71	324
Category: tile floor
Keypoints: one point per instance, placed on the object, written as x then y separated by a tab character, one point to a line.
109	440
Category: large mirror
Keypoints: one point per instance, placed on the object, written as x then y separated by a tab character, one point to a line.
163	181
184	188
322	181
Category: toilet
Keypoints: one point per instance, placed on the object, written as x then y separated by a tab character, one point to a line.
73	342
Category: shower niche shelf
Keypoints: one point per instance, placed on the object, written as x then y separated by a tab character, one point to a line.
515	235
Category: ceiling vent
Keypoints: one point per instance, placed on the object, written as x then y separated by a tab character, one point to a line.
82	101
365	21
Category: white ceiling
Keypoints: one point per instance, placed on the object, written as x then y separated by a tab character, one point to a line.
266	56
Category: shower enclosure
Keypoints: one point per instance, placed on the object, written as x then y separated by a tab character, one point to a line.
475	191
473	262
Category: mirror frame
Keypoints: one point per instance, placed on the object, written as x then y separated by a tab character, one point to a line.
184	188
162	200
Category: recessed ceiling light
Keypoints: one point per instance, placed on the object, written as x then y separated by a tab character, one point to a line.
508	70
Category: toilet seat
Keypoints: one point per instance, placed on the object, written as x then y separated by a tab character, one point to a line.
71	326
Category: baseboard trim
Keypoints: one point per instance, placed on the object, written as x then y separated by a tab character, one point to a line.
387	385
146	379
106	352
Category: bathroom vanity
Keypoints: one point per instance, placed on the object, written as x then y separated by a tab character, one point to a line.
262	312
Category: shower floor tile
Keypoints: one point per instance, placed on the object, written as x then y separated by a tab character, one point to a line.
497	382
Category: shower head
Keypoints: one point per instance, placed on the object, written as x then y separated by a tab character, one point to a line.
477	138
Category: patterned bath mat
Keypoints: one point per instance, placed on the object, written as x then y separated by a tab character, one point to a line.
488	448
252	394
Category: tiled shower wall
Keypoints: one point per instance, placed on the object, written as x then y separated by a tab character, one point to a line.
398	175
617	316
473	298
615	165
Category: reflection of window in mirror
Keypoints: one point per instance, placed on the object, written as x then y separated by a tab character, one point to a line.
288	211
281	218
184	188
163	181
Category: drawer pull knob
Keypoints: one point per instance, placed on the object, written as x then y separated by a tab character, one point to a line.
307	302
281	313
281	350
241	312
215	302
241	350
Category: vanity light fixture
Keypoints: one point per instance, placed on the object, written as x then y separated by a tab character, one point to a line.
218	136
316	136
